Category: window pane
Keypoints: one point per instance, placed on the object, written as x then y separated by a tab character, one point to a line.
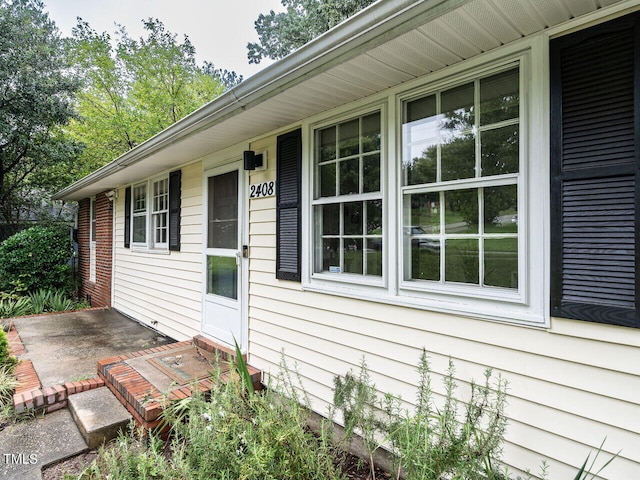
500	150
349	176
499	97
327	144
461	261
328	180
374	256
424	257
353	255
223	211
423	215
371	132
457	108
501	209
349	134
458	156
330	254
420	137
371	173
330	219
139	229
421	108
461	211
222	276
374	217
352	218
501	262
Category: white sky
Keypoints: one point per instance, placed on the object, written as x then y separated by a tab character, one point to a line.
218	29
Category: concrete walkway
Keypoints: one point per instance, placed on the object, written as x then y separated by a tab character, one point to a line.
64	347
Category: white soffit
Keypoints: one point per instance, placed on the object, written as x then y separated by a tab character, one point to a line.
459	34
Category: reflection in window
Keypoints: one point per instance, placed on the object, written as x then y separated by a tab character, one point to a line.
348	197
461	165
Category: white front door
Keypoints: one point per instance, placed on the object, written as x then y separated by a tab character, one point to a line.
224	290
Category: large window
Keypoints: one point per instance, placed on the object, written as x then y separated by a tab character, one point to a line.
460	172
454	219
150	214
348	205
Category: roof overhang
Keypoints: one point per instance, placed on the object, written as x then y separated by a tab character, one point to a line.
388	43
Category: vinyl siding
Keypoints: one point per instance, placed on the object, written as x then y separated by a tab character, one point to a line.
570	386
164	287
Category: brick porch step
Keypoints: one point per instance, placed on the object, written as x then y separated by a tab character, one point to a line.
140	397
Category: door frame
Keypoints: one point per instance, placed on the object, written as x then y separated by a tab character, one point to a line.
243	239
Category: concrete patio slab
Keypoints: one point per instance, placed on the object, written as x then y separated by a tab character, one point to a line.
67	346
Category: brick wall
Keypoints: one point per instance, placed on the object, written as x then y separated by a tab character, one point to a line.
98	293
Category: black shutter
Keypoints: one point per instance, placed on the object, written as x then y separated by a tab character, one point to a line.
175	204
288	207
594	168
127	217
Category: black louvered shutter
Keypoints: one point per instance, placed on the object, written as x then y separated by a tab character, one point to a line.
127	217
175	206
594	161
288	208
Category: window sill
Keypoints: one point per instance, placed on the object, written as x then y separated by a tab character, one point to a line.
152	251
502	311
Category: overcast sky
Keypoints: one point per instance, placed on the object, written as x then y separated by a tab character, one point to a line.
218	29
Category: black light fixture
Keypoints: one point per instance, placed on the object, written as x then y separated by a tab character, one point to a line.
251	160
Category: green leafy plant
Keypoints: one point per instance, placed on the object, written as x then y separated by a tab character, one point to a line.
242	369
36	258
6	359
7	385
584	472
356	396
17	307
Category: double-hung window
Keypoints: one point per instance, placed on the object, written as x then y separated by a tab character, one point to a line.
149	214
348	204
160	212
139	215
460	172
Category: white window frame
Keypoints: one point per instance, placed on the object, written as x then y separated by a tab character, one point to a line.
527	305
350	278
160	210
477	182
150	215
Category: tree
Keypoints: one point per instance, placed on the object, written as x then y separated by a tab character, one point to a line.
36	102
281	33
135	88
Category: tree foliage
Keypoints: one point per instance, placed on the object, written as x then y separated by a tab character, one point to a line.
281	33
134	88
36	102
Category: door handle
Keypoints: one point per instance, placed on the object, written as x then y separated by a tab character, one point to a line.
238	258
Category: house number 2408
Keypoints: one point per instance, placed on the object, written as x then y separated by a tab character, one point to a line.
265	189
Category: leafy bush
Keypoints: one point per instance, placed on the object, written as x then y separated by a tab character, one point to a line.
40	301
7	385
6	359
36	258
429	443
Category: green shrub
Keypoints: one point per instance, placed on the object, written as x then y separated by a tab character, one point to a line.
6	359
36	258
8	383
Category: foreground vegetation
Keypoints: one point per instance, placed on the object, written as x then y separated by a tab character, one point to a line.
235	434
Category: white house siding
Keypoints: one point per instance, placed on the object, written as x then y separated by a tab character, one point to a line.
570	385
164	287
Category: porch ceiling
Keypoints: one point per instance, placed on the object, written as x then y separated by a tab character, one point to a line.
389	43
